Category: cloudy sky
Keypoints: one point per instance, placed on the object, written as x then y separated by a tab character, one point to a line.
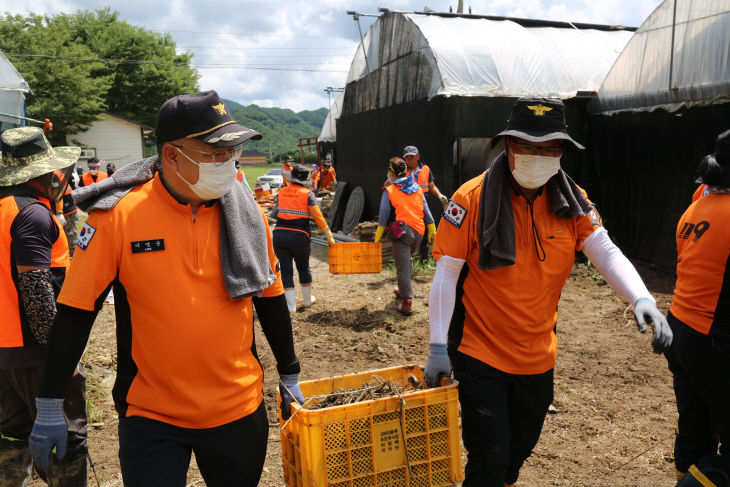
286	53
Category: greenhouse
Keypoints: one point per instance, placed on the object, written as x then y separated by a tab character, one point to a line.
446	83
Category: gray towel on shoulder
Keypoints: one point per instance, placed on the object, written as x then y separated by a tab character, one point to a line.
496	225
243	239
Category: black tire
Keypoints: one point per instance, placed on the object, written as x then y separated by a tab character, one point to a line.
354	210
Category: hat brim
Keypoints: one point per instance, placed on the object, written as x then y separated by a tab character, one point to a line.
61	158
537	137
288	176
229	135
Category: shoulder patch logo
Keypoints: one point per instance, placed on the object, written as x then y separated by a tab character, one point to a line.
85	235
454	213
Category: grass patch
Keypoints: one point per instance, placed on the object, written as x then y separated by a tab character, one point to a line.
420	268
252	172
94	397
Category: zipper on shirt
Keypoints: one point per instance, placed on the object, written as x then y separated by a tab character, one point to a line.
196	260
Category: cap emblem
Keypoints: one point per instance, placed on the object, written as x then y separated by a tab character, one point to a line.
539	110
221	108
229	136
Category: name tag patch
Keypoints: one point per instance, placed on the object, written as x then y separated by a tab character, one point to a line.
85	235
454	214
143	246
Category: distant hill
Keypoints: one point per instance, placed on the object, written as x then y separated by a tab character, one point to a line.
282	128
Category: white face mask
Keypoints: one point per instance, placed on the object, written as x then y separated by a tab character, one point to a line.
93	171
214	179
532	172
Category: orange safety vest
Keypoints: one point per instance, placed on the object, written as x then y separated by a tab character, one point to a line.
87	179
239	175
13	332
293	208
423	176
408	207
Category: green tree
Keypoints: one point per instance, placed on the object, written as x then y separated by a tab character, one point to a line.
63	91
156	72
86	62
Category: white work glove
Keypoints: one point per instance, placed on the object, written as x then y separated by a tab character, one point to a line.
438	365
646	311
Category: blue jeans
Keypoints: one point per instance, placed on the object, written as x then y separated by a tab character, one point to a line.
292	245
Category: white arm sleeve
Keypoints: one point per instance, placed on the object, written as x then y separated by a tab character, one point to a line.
615	268
442	298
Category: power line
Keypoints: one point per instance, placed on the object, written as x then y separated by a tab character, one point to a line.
269	48
238	34
173	64
206	56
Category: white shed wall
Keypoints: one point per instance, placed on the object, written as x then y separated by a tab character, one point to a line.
115	141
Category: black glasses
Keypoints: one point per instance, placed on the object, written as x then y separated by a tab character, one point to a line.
533	150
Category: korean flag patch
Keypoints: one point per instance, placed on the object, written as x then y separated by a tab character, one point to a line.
454	214
85	235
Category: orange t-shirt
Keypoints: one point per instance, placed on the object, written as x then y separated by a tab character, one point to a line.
506	317
702	293
699	192
184	347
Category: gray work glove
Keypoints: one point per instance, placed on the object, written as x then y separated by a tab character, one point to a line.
438	365
49	431
288	387
646	311
444	201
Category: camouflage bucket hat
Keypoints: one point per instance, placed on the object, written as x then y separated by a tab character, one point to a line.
27	154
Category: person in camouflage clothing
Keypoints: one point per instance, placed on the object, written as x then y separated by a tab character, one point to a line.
33	261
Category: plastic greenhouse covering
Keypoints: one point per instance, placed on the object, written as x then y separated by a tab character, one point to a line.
329	130
680	56
12	92
482	57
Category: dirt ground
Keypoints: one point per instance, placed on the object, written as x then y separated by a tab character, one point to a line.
615	418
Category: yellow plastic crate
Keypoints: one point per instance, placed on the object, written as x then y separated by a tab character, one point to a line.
362	444
355	257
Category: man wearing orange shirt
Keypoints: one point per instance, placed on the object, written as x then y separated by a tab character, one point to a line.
325	176
699	316
286	171
188	252
504	249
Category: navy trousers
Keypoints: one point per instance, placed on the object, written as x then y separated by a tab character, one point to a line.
157	454
292	245
700	367
502	416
